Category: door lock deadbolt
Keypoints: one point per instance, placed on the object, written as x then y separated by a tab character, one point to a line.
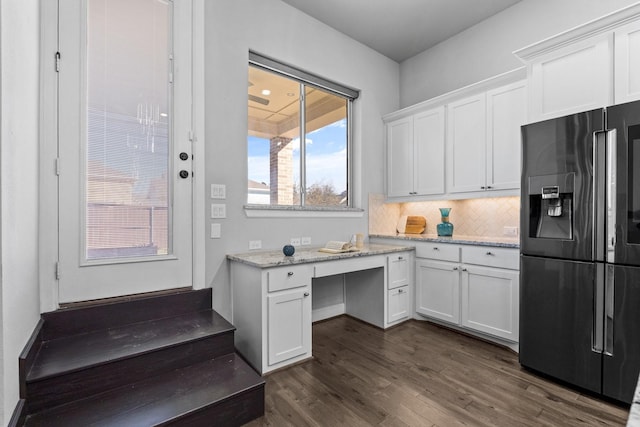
184	156
184	174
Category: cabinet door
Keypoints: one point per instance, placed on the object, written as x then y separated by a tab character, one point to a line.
398	304
490	298
398	270
438	290
400	157
466	145
289	324
627	63
506	112
575	78
428	154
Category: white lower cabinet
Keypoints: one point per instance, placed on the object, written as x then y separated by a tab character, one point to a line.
473	287
438	290
289	324
489	301
398	304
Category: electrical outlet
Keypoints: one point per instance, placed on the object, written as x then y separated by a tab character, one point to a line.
305	241
255	244
510	231
216	230
218	191
295	241
218	210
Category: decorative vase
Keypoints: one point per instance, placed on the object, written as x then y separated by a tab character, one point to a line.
288	250
445	228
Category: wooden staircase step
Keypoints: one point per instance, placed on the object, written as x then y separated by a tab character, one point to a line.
224	391
70	367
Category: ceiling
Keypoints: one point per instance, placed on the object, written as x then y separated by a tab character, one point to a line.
400	29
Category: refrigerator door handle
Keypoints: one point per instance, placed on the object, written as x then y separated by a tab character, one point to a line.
609	308
599	194
597	338
611	195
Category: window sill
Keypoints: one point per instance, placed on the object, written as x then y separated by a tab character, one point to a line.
263	211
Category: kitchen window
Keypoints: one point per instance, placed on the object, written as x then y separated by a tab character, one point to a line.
285	107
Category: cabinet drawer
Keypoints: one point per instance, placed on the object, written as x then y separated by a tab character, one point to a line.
398	270
491	257
439	251
288	277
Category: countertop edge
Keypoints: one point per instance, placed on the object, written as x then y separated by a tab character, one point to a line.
465	240
275	258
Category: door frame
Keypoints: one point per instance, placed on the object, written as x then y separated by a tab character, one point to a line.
48	250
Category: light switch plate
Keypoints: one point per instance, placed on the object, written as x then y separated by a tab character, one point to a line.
510	231
255	244
218	191
216	231
218	210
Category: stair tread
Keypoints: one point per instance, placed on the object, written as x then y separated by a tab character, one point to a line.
76	352
159	399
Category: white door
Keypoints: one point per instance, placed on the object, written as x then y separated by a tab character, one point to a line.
124	116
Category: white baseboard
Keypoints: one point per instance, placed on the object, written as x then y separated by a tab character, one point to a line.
327	312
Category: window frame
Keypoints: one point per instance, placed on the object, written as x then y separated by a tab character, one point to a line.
306	79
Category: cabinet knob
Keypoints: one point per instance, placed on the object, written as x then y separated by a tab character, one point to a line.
464	269
400	258
455	268
306	294
290	273
490	253
400	291
436	248
483	187
489	187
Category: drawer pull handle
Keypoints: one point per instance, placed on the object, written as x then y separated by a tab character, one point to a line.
400	258
464	269
290	273
455	268
435	248
306	294
400	291
490	253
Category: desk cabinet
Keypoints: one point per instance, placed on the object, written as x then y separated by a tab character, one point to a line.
398	287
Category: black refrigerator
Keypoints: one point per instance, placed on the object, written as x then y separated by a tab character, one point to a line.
580	249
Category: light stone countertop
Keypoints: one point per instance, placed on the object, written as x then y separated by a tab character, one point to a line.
275	258
502	242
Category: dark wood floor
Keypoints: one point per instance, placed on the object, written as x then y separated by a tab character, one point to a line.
419	374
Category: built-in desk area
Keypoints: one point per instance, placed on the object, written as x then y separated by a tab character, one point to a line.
272	296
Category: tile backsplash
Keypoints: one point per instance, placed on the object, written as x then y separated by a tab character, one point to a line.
484	217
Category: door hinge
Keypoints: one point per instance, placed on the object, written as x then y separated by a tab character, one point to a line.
58	272
57	166
57	62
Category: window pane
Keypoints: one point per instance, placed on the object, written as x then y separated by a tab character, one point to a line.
273	139
326	148
128	122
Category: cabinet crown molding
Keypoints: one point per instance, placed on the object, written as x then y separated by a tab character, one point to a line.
590	29
472	89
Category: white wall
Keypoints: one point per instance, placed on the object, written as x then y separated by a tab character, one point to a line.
273	28
19	38
485	50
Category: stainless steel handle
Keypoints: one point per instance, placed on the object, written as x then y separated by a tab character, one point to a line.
611	194
455	268
436	248
489	187
609	307
598	310
400	258
464	269
598	194
400	291
290	273
490	253
306	294
483	187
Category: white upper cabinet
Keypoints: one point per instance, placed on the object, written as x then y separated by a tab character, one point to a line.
627	63
483	140
466	144
590	66
572	79
506	112
415	154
